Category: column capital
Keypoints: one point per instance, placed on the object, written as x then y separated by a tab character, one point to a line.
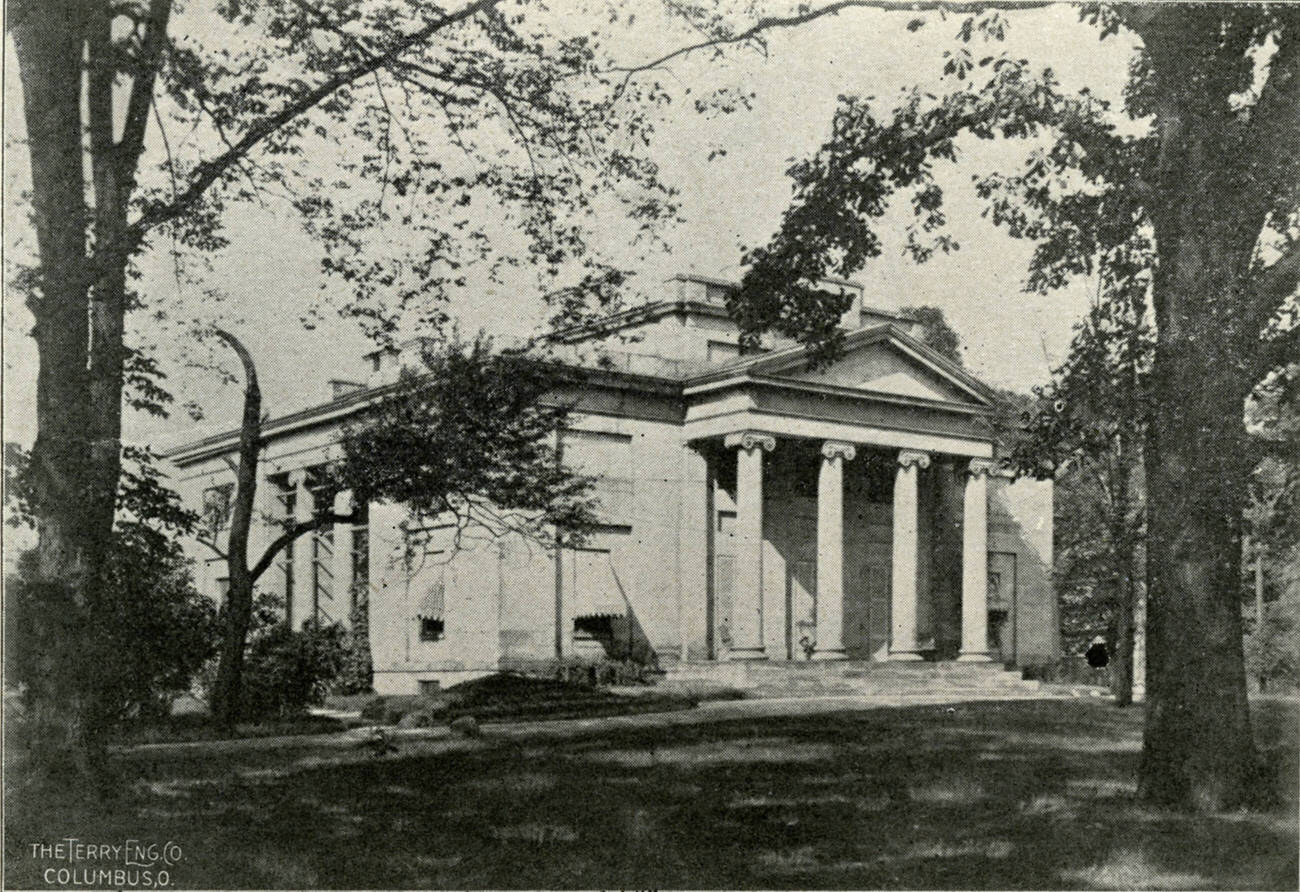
750	440
833	449
981	467
909	457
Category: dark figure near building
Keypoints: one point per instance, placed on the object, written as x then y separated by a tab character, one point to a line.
1096	655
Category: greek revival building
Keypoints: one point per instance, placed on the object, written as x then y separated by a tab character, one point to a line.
752	508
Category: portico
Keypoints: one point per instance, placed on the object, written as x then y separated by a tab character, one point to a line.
751	629
747	419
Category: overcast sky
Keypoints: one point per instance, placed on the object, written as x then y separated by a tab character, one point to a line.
271	271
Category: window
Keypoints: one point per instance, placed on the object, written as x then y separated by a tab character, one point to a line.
607	457
286	502
429	584
322	573
592	586
217	503
594	628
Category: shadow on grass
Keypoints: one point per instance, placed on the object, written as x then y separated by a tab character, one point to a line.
995	795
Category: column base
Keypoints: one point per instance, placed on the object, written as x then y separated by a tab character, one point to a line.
747	653
832	653
905	656
974	656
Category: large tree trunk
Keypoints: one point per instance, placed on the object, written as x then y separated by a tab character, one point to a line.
1198	750
49	40
1207	212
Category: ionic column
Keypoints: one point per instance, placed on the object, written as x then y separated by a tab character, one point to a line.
975	564
830	551
903	591
747	608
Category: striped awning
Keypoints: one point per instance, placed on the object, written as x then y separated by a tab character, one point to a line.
434	584
593	585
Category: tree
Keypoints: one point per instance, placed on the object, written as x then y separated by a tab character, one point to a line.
1186	204
1086	432
935	330
130	651
466	439
464	106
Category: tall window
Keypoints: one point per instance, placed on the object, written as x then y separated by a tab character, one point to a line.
427	553
360	548
285	507
323	490
607	457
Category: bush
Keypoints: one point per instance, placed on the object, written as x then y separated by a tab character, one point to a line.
133	650
287	670
1271	648
600	672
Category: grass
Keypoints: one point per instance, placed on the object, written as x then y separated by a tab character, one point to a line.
507	697
189	727
993	795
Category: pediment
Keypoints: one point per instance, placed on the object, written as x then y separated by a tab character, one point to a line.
888	364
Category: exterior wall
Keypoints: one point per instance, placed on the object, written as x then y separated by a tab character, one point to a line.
1020	542
403	579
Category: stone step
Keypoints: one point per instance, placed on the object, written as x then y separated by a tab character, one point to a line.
909	682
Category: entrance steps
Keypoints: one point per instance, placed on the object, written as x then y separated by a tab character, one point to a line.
895	682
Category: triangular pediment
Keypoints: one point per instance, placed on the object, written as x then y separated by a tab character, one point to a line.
885	362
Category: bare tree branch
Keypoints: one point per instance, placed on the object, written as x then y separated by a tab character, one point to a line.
289	535
141	98
209	172
772	23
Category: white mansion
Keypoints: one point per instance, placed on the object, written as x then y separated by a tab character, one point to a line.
752	509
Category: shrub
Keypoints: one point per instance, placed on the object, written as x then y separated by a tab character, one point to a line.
287	670
134	649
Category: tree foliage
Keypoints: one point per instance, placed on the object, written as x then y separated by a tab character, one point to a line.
468	436
1086	431
935	330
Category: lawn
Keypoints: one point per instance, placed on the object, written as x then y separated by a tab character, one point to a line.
993	795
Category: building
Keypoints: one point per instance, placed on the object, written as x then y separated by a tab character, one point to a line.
752	508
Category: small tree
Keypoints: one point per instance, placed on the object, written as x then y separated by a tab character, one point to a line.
468	436
1086	432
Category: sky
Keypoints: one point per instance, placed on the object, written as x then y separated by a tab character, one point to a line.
270	274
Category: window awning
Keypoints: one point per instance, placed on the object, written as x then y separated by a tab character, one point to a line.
428	592
593	585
